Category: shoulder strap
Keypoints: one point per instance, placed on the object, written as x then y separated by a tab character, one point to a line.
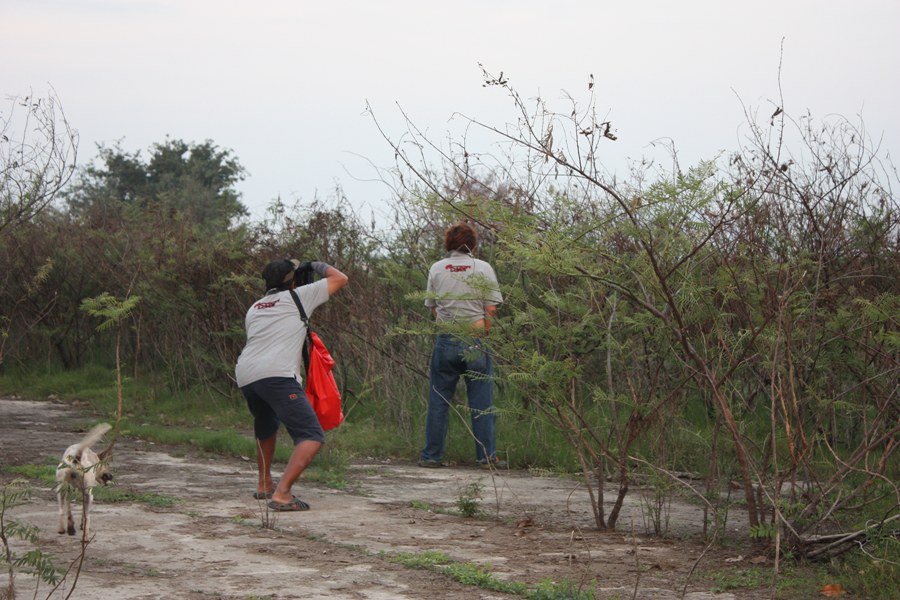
307	343
300	308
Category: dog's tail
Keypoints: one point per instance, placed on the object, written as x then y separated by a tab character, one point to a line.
93	437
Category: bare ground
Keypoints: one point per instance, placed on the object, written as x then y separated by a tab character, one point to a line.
212	544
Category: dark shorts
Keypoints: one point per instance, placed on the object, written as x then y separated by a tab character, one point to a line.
276	400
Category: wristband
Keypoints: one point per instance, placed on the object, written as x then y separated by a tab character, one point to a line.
319	267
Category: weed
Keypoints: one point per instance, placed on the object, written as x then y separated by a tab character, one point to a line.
330	467
18	493
218	441
656	504
464	572
563	590
874	573
468	498
733	579
762	531
43	473
115	494
471	574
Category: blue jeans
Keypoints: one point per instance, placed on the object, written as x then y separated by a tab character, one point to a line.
451	358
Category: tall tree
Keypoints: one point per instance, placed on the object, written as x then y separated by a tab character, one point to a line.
38	148
196	180
763	300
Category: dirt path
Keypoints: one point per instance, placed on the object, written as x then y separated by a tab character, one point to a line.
211	544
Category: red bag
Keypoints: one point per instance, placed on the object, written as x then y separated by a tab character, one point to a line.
321	387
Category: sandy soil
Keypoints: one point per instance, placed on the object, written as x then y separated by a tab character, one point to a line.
212	544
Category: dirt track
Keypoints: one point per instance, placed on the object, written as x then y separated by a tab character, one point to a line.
211	544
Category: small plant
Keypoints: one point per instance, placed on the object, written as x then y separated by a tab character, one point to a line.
656	504
468	499
18	493
113	311
562	590
762	531
330	466
873	573
750	578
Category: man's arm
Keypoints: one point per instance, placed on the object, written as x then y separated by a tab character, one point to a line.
490	313
336	280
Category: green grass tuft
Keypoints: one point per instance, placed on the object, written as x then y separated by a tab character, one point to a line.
469	573
44	473
117	494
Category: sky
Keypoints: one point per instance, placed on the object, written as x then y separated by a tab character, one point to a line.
285	84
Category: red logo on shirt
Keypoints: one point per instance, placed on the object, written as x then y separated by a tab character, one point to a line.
260	305
458	268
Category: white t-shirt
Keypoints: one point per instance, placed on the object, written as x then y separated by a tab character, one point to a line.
460	286
275	334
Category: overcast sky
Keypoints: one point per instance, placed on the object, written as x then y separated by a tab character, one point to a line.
284	84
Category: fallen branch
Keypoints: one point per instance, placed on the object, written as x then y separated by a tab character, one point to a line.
837	544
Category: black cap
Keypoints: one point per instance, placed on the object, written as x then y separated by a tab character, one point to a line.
279	272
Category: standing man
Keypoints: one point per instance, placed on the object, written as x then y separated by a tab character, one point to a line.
268	373
463	297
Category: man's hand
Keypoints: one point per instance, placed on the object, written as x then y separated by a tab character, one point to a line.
304	274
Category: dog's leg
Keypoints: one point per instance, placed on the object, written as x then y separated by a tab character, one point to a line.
66	499
63	507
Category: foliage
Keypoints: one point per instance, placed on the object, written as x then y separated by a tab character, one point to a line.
37	159
874	572
177	261
468	498
735	320
470	574
46	474
113	311
736	579
756	290
109	308
38	148
18	493
117	494
196	179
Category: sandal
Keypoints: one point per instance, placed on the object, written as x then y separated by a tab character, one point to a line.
265	495
294	505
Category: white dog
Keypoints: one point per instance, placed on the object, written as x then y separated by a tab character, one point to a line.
80	470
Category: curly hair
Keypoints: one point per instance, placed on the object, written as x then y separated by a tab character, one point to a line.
461	237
